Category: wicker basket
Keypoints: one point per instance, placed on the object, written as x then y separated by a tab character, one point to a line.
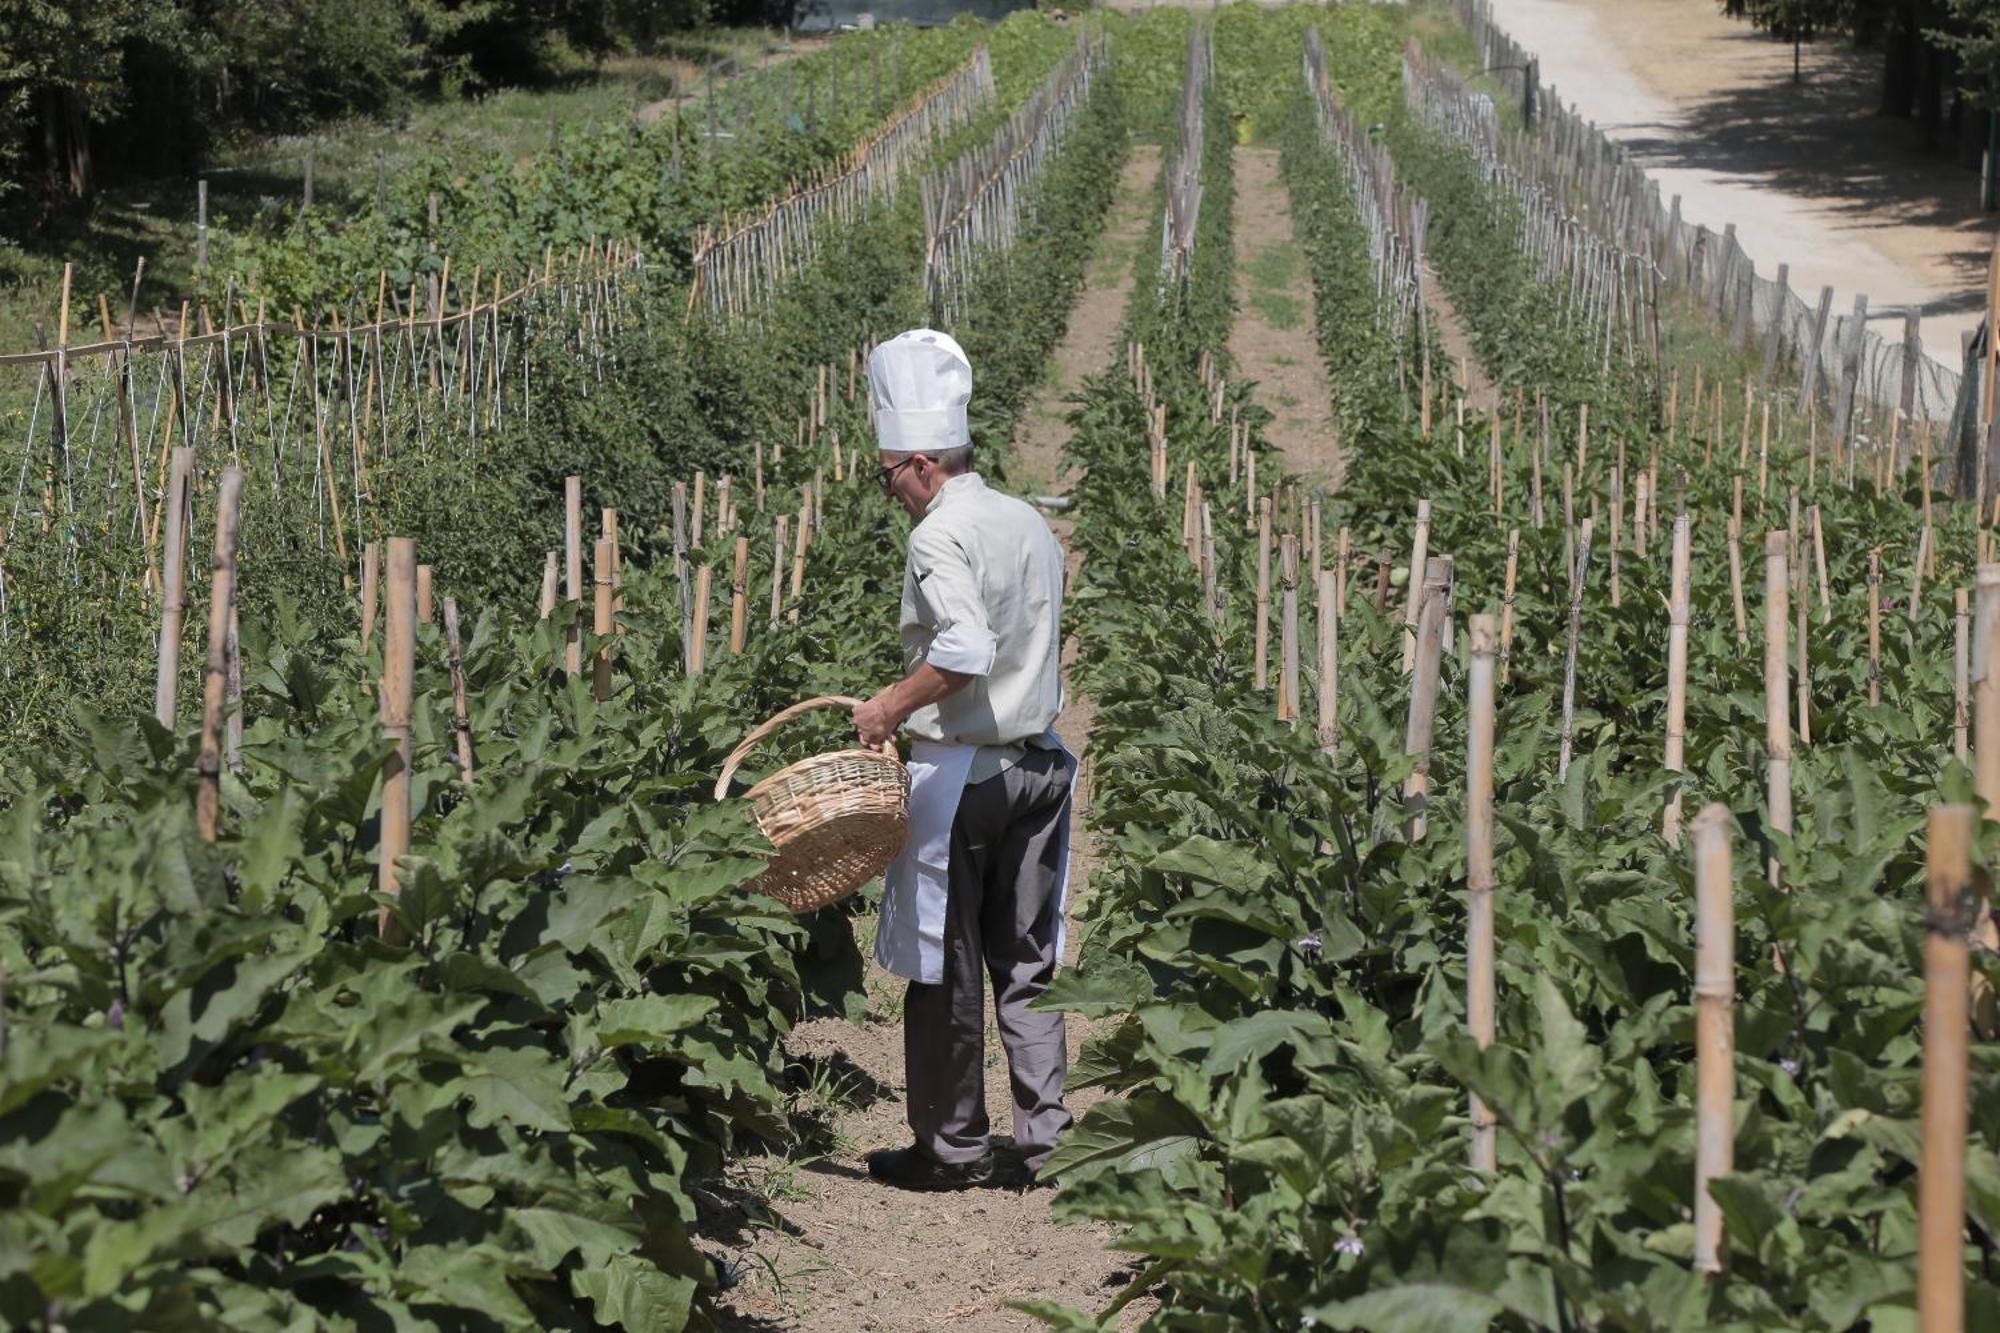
837	820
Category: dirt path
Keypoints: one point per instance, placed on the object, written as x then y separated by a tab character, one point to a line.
1809	175
1090	341
1272	341
835	1252
1480	391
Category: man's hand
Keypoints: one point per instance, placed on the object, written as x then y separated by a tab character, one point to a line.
875	721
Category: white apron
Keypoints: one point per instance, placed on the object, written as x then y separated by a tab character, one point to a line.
909	939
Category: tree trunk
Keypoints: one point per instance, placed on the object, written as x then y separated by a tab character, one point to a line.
66	143
1900	46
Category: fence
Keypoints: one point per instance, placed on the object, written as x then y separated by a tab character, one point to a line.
738	266
976	204
106	416
1396	222
1600	189
1177	226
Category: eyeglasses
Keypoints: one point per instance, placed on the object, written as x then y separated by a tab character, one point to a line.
887	475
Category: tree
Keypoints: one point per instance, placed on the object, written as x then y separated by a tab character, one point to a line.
62	70
1794	21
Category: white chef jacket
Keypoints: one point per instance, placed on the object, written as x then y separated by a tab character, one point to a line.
982	596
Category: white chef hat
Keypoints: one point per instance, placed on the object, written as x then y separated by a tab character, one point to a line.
920	383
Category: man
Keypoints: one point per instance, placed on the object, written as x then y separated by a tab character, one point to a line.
979	888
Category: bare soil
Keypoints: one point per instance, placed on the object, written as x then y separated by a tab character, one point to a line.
822	1247
1809	174
1272	341
1479	391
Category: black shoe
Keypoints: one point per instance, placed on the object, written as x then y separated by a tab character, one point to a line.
909	1169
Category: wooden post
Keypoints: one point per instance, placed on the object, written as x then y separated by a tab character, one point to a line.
1941	1170
698	655
1578	576
1288	659
173	602
423	594
1715	1028
1777	695
371	591
573	569
739	606
1419	551
780	529
1802	660
1961	700
215	679
1986	686
1260	674
1819	564
551	573
1677	653
399	661
1507	603
1875	626
1479	873
461	720
606	553
1735	543
1433	606
1327	623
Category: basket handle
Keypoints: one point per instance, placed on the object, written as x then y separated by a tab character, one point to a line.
742	751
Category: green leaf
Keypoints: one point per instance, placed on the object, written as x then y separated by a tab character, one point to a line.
1426	1307
521	1087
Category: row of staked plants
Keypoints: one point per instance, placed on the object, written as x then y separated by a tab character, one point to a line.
1282	960
666	398
227	1103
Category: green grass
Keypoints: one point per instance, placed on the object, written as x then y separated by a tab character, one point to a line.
1275	282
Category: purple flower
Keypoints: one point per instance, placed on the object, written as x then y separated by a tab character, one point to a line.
1349	1244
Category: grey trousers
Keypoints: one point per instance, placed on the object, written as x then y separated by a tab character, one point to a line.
1001	916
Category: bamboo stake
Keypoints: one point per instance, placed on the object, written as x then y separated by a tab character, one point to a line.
1941	1171
371	591
1777	701
1288	669
601	621
399	659
1961	701
780	529
1986	686
551	573
1328	626
698	660
1578	576
1875	626
739	607
1802	659
1917	573
1507	603
1419	548
1479	875
173	601
573	570
423	594
1433	607
1677	652
1260	672
215	680
1715	1029
1735	544
461	720
1819	565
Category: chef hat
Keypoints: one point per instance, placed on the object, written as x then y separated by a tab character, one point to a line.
920	383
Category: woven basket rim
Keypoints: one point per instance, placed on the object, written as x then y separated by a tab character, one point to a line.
778	778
